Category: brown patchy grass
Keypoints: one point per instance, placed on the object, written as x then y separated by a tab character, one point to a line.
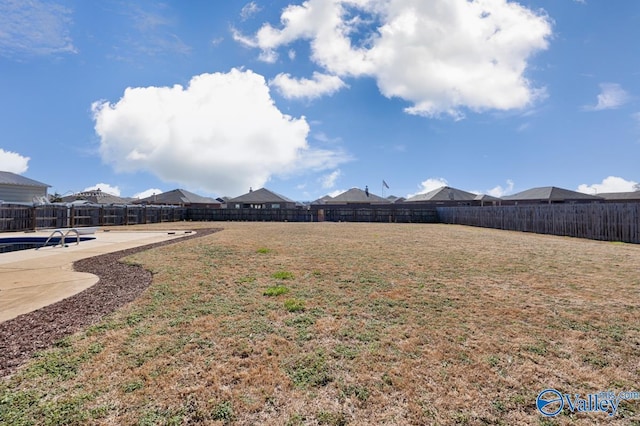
399	324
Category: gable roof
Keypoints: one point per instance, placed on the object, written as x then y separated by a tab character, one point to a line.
178	197
8	178
356	195
262	195
550	193
444	193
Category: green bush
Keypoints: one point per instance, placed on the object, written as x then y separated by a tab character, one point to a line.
276	290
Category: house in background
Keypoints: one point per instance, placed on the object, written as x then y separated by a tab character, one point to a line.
445	196
95	196
549	195
621	197
394	199
16	189
322	200
261	199
487	200
180	197
353	196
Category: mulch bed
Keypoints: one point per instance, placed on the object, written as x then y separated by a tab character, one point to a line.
118	285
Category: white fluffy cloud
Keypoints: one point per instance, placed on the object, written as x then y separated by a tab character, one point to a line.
148	193
329	181
429	185
499	191
443	56
13	162
609	184
611	96
104	187
222	133
249	10
320	85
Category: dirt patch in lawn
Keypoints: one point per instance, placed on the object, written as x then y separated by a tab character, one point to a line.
338	323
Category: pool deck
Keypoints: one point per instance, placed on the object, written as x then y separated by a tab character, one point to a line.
32	279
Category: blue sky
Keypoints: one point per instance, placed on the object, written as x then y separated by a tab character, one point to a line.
313	98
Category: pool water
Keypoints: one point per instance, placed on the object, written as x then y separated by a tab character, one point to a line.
10	244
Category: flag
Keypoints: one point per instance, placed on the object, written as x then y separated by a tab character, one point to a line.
385	184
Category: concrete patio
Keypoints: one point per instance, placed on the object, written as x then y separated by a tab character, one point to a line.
32	279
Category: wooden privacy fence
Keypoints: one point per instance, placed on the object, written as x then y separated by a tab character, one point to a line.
602	221
250	215
23	218
343	213
391	214
608	222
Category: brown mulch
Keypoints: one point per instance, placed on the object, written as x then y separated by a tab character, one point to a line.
118	285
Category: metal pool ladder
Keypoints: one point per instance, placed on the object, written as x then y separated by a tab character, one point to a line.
63	236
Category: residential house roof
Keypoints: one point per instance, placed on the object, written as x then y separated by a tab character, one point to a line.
323	200
96	196
262	195
395	199
356	195
177	197
550	193
8	178
622	196
487	197
444	193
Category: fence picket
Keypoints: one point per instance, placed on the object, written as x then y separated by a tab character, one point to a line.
609	222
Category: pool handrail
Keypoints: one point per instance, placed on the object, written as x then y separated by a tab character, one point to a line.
63	237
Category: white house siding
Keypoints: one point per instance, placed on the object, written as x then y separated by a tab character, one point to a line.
21	194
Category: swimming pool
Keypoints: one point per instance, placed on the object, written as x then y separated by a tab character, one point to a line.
9	244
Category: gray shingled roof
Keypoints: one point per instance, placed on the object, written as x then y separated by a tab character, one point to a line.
550	193
8	178
176	197
635	195
395	199
261	195
444	193
323	200
96	197
486	197
356	195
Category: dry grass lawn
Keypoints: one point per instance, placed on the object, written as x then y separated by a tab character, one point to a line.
336	323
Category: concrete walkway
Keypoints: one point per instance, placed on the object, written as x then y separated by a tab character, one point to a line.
32	279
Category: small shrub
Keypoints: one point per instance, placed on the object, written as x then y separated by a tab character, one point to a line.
223	411
282	275
294	305
247	279
263	250
539	348
276	290
329	418
133	386
309	370
493	360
